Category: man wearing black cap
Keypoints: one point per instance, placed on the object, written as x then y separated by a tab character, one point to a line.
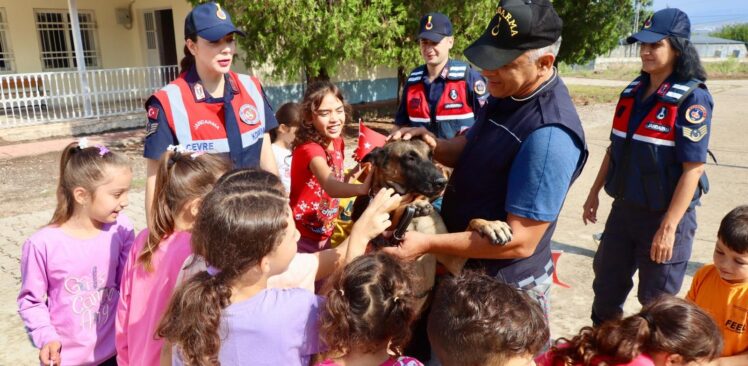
517	162
443	94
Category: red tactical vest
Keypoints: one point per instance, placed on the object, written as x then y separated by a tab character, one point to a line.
454	105
201	126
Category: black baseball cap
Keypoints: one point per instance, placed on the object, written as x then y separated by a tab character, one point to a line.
434	27
209	21
670	22
517	26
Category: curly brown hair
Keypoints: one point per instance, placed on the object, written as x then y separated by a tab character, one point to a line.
477	320
313	97
234	230
370	305
669	324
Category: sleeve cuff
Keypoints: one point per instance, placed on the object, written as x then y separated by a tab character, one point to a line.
44	335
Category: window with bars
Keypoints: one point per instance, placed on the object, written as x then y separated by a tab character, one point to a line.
6	54
56	39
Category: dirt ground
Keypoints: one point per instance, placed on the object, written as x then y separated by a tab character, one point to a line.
27	199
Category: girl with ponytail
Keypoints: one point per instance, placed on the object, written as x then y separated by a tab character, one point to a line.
368	314
156	258
227	314
668	332
71	268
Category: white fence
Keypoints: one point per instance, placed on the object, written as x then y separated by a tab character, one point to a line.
37	98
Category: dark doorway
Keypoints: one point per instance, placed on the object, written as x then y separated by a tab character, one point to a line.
165	35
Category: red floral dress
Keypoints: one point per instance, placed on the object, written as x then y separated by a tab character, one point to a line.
313	209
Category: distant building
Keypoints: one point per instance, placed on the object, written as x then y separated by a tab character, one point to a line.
713	47
710	49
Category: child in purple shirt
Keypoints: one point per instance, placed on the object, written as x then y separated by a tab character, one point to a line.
369	312
227	313
71	269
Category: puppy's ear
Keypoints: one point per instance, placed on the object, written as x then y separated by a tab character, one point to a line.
377	157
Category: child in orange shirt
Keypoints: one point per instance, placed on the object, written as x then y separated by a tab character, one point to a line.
722	288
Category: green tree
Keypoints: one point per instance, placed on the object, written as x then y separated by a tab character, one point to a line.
738	32
400	49
594	27
315	37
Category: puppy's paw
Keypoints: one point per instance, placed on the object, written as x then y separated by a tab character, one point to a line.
423	208
499	232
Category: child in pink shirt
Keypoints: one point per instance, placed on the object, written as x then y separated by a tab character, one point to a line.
368	314
668	331
71	268
158	253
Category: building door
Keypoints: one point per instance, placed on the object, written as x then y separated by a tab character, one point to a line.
161	50
158	26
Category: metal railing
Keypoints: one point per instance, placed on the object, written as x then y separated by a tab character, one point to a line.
36	98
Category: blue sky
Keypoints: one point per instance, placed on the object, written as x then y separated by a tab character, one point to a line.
709	14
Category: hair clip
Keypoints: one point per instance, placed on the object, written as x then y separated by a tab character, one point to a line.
342	293
197	154
176	148
212	271
82	143
102	150
396	299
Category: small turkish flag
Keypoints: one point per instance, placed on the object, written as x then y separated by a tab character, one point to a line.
368	139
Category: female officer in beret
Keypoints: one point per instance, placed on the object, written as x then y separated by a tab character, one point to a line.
209	107
653	169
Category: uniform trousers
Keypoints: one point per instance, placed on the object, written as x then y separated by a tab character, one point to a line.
625	247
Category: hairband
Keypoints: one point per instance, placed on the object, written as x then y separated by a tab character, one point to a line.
82	143
212	271
102	150
650	322
179	149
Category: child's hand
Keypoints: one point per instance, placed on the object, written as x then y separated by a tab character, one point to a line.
50	353
366	184
376	218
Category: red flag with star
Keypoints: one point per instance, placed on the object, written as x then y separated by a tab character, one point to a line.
368	139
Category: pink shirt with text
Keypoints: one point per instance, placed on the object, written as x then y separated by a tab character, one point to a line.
70	287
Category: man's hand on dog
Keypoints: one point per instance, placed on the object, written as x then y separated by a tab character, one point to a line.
376	218
407	133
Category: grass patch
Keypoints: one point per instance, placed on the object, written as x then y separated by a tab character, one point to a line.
589	94
729	69
615	72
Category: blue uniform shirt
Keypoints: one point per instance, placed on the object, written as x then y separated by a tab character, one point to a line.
690	146
159	135
537	188
434	91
